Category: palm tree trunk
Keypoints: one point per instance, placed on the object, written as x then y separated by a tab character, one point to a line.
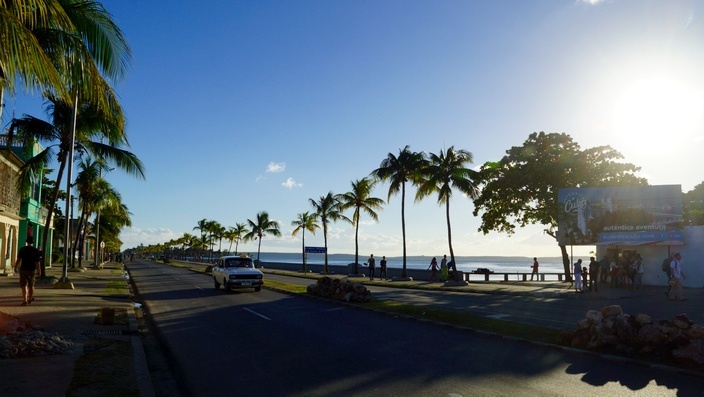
50	213
325	239
356	246
403	225
449	241
303	250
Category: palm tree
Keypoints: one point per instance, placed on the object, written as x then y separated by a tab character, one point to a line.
360	199
93	193
398	171
443	173
260	228
203	227
305	221
327	209
84	47
92	125
217	232
62	46
236	234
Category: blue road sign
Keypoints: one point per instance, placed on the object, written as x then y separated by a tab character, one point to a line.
316	250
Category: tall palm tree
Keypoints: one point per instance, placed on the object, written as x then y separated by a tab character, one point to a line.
260	228
84	46
305	221
62	46
92	123
236	234
398	171
202	225
360	199
216	231
23	59
92	192
327	209
443	173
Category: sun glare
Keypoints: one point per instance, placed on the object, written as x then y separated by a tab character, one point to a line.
658	110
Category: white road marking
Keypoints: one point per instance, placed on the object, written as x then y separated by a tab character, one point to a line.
260	315
499	316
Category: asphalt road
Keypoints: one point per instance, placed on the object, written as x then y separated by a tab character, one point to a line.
271	344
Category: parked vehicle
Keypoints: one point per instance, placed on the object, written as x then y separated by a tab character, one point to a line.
236	272
482	270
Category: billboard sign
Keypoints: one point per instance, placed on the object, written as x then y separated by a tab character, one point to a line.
625	215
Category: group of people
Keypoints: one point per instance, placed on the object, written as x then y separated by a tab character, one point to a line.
371	262
439	272
627	273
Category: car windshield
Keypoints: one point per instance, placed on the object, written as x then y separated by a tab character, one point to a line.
239	262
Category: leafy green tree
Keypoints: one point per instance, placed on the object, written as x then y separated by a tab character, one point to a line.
261	227
694	206
327	209
444	172
305	221
521	189
398	171
361	200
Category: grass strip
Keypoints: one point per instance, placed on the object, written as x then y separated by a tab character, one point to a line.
502	327
117	288
104	369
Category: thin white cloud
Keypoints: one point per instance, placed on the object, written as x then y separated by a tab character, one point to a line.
275	167
591	2
291	183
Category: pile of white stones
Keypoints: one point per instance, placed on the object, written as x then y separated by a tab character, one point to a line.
17	340
340	289
610	330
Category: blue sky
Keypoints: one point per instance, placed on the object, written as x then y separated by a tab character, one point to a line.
237	107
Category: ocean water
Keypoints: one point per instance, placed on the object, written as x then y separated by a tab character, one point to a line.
464	263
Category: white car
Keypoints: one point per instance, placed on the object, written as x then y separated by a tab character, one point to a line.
237	272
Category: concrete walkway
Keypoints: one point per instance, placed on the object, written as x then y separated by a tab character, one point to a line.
70	313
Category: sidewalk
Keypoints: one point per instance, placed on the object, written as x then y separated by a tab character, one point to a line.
71	314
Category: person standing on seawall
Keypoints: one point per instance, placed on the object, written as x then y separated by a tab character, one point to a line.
594	268
535	269
638	268
434	269
382	268
443	269
372	267
578	276
677	275
28	256
604	271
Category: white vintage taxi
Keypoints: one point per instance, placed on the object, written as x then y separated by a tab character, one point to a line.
236	272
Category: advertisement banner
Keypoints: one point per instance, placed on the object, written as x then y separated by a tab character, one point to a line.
626	215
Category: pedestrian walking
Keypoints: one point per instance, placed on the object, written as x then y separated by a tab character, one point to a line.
677	277
443	269
434	269
535	269
382	268
604	271
371	262
29	269
578	276
638	269
594	268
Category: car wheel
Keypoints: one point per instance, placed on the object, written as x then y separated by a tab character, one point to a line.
257	289
227	286
216	283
